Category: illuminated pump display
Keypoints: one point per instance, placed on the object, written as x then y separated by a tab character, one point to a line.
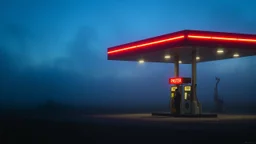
186	103
173	88
187	92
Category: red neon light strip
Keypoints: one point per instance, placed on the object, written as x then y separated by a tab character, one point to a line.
146	44
222	38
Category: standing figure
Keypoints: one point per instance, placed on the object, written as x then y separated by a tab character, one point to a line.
177	101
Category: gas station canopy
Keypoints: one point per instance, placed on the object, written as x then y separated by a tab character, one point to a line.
209	46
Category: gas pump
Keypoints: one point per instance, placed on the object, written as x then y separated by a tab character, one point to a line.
172	106
186	104
185	90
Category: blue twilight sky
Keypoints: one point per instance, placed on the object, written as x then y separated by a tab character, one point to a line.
56	49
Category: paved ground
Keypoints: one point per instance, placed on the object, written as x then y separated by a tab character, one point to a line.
129	128
148	117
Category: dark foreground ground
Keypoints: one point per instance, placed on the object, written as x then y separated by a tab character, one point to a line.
127	128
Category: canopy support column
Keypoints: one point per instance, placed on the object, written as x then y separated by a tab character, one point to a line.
195	105
176	66
194	97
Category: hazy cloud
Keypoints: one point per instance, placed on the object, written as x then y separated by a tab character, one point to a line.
58	52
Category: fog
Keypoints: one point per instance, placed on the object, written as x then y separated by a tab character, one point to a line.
55	52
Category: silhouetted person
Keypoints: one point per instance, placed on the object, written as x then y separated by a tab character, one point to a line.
177	100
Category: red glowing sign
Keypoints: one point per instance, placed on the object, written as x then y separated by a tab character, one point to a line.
175	81
179	80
